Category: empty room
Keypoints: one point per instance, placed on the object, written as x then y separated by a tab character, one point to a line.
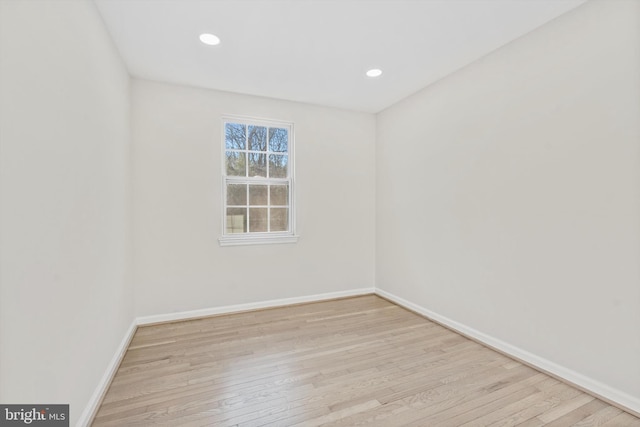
320	212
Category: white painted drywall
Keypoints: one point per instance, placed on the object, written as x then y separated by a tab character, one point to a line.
508	194
64	143
179	264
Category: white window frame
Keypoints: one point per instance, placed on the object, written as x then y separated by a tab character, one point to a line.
258	238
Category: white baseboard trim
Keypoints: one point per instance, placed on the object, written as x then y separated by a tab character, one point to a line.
614	396
185	315
94	403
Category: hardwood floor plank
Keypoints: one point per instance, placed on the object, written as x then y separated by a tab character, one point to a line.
565	407
623	420
579	414
599	418
332	416
552	397
354	361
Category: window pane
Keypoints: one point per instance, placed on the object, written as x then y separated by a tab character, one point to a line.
279	195
278	140
257	195
257	164
257	220
278	165
279	219
236	220
236	194
257	138
235	136
236	164
257	192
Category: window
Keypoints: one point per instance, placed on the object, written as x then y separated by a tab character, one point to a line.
257	182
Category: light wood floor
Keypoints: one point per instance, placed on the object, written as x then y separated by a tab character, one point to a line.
356	361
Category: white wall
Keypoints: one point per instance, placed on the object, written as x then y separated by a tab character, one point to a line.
64	141
508	195
507	199
179	264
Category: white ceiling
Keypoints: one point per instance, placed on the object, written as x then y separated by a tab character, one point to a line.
317	51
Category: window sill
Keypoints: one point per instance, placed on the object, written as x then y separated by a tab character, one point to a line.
256	240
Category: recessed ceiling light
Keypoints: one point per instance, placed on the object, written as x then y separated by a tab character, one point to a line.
209	39
374	72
